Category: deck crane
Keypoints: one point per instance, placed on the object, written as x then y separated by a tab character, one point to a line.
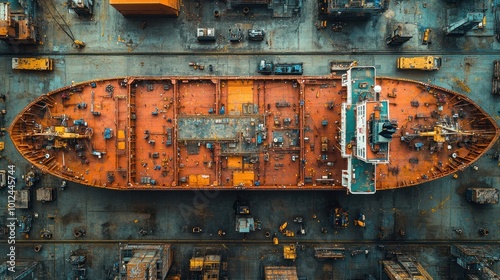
62	135
439	133
78	44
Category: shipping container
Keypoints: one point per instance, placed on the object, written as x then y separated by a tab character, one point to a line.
428	63
147	7
39	64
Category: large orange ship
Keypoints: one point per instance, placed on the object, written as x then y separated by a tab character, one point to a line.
357	132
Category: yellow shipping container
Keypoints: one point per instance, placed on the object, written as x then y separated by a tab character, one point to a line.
428	63
31	63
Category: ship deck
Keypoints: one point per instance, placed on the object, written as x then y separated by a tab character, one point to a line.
248	132
428	213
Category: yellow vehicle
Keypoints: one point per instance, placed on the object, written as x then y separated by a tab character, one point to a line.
426	38
283	226
31	63
360	221
428	63
275	239
289	252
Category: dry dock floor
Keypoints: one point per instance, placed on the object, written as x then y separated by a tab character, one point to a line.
117	46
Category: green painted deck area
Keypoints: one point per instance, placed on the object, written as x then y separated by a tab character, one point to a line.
363	80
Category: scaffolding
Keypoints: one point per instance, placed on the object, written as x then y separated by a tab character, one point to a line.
405	268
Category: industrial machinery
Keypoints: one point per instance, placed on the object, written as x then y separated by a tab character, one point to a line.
23	199
205	34
45	194
464	25
25	223
360	221
256	35
339	217
83	8
329	252
288	69
427	63
426	36
337	66
18	27
245	223
497	22
283	226
495	85
235	35
196	230
31	63
397	37
61	22
275	239
285	231
289	252
483	195
78	44
267	68
350	9
3	178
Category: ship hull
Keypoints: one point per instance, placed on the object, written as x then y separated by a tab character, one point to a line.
227	133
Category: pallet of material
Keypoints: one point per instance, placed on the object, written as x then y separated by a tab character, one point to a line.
483	195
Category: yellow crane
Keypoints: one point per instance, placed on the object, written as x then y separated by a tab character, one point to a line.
439	133
64	26
59	132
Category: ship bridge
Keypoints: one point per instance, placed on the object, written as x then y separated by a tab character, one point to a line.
366	130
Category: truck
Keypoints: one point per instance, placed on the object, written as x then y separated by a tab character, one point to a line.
268	68
482	195
427	63
31	63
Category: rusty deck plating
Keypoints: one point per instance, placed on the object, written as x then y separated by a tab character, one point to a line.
180	133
